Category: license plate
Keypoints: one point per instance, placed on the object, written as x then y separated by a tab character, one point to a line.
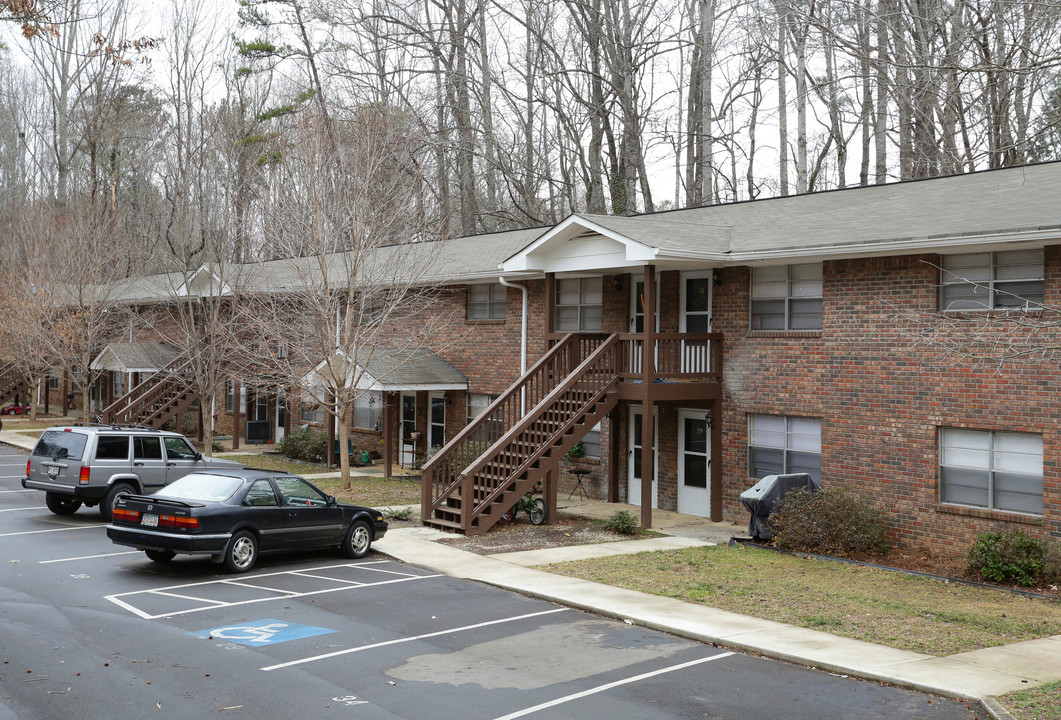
150	520
53	473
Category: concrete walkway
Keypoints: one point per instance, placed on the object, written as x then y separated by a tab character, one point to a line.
980	674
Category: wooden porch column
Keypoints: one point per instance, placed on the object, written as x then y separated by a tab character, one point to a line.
613	455
330	419
715	471
648	368
551	493
236	412
389	399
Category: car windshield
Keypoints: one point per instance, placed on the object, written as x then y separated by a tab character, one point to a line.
60	444
200	486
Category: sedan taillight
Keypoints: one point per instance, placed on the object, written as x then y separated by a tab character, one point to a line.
129	516
174	521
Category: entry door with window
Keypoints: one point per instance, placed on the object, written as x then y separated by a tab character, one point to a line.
408	448
694	463
637	319
281	417
436	426
633	492
696	318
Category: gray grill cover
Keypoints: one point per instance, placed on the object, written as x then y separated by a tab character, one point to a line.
762	499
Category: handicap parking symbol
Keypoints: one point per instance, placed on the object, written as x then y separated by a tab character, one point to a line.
261	632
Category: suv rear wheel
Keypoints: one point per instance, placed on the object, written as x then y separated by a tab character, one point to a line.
61	505
106	508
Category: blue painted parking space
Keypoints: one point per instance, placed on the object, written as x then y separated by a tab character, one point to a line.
267	631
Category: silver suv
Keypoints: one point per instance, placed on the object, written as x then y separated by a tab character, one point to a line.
96	464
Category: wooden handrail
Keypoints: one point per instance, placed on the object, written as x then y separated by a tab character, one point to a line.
142	394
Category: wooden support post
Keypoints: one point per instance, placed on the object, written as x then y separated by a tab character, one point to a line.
389	420
551	493
648	366
613	455
236	413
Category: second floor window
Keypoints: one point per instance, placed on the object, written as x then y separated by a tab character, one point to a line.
579	304
788	297
989	281
486	302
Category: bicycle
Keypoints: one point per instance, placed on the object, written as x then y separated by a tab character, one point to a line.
533	506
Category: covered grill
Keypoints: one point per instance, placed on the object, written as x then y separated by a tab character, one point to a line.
763	498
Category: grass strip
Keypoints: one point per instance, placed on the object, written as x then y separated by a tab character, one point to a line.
849	600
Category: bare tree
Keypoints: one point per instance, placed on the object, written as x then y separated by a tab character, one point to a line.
355	264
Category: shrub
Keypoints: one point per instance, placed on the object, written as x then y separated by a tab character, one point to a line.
1009	557
622	522
305	444
830	522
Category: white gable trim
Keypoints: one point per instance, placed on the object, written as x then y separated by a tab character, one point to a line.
197	286
592	247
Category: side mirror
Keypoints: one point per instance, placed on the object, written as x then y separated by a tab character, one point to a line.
198	456
331	500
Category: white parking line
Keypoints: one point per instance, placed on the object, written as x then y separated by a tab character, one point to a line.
63	529
87	557
2	492
609	686
246	582
399	641
42	507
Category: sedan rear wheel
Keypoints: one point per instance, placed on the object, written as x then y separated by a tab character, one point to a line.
358	540
160	556
241	553
61	505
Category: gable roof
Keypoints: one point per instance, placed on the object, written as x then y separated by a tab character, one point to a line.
135	357
1018	204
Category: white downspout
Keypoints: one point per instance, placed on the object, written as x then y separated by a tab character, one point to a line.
522	339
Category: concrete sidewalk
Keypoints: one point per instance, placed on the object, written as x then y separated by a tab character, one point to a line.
979	675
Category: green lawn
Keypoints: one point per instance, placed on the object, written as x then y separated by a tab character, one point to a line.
849	600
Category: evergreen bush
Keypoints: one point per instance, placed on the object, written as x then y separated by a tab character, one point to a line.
1008	557
305	444
830	521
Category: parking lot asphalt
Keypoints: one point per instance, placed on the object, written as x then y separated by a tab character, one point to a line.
979	674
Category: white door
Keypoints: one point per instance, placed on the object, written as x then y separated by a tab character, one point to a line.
694	463
633	492
281	417
696	318
637	318
408	427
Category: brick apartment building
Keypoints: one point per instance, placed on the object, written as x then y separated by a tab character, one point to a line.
821	333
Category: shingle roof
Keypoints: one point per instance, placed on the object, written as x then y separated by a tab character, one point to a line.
135	357
1002	201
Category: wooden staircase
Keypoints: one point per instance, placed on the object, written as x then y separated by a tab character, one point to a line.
11	384
522	437
154	401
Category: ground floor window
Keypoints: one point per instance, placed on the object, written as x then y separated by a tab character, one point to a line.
310	412
591	443
477	404
368	410
994	470
778	445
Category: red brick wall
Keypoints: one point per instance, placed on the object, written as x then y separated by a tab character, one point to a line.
882	396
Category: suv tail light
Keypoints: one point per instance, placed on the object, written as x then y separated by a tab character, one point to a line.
82	479
27	467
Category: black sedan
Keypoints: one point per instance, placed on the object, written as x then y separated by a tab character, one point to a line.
235	515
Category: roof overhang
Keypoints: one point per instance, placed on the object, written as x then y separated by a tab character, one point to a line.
579	244
135	357
390	370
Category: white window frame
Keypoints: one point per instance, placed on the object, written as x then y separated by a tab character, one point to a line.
583	301
1003	467
796	288
791	436
1004	280
368	410
487	302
